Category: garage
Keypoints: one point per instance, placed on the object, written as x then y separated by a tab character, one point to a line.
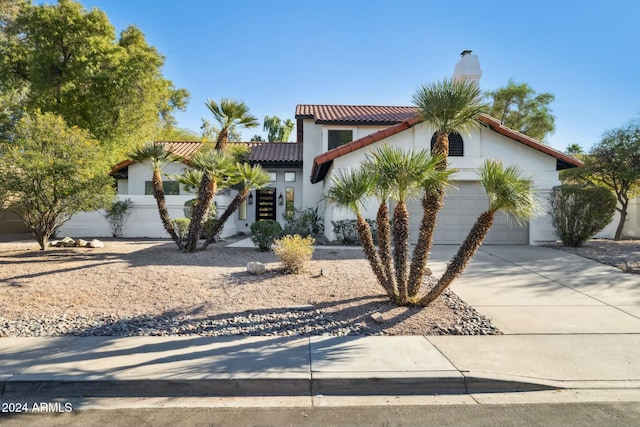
464	202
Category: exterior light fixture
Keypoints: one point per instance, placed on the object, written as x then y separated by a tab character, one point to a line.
280	199
250	199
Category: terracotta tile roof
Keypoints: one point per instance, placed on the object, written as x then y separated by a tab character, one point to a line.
354	114
322	163
261	152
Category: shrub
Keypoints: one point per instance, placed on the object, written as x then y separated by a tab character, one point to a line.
188	208
117	214
347	233
208	226
181	226
579	212
264	233
304	222
294	252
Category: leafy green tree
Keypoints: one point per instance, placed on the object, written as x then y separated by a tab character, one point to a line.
520	108
277	129
257	138
68	61
613	163
49	172
508	192
450	106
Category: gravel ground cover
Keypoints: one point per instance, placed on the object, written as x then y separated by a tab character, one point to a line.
148	287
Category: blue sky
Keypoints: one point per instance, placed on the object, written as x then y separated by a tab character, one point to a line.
274	54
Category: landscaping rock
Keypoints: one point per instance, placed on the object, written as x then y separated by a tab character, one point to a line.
377	317
95	243
256	268
81	243
67	242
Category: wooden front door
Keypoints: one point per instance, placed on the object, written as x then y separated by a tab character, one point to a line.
266	204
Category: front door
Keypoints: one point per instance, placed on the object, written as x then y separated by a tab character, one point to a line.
266	204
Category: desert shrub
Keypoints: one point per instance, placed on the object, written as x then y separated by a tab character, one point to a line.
264	233
208	227
117	215
181	226
579	212
304	222
187	208
294	251
347	233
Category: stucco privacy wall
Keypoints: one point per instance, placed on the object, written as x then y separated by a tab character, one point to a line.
480	144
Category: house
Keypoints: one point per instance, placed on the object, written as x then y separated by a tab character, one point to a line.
331	138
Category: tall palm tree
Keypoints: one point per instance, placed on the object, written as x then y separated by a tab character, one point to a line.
217	168
252	177
157	155
231	115
508	192
400	174
350	190
450	105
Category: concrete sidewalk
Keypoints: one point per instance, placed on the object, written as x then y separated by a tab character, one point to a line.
569	323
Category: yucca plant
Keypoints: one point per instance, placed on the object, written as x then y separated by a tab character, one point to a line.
158	157
508	192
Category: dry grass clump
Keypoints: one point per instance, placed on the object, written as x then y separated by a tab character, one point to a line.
294	252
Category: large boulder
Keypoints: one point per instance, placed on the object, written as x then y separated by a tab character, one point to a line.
95	243
256	268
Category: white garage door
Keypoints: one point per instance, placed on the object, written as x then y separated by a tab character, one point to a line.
462	206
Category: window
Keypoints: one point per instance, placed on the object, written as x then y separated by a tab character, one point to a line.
456	144
289	177
273	176
289	207
339	137
171	188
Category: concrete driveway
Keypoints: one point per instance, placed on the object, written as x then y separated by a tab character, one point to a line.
536	290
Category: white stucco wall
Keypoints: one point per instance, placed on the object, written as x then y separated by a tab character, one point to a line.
631	228
479	144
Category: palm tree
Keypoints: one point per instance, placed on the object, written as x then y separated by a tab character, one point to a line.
231	115
252	177
449	106
217	168
508	192
400	175
158	156
349	190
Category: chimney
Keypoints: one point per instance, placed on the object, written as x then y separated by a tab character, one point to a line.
468	67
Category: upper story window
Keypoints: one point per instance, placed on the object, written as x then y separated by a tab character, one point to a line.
339	137
171	188
456	144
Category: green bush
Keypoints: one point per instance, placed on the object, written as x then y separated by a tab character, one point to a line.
117	214
264	233
294	252
188	208
181	226
579	212
208	226
347	233
304	222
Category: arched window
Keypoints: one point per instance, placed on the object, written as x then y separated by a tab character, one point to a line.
456	145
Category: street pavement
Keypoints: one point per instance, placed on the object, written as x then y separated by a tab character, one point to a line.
569	324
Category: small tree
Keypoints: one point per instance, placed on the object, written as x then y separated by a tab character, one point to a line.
277	129
117	215
50	172
579	212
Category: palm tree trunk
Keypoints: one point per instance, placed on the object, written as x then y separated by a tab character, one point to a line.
223	139
369	249
384	245
441	147
431	205
401	248
206	193
466	251
233	206
158	194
